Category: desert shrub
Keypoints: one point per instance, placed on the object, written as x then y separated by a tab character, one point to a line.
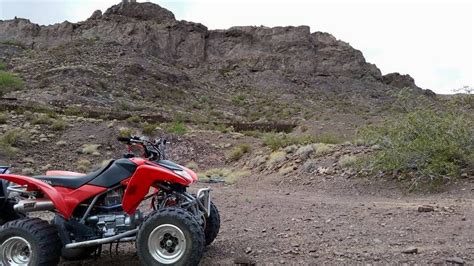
148	128
83	165
3	118
12	139
276	141
230	176
238	151
59	125
74	110
239	99
322	148
134	119
9	82
276	158
348	161
252	133
423	145
175	127
91	149
125	132
42	119
305	151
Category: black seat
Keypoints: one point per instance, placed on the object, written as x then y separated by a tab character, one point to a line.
71	181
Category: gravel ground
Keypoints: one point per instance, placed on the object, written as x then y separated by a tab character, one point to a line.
275	225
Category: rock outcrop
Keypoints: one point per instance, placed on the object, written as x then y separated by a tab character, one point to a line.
144	46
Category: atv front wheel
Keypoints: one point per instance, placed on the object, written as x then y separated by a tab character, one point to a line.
170	236
29	241
213	224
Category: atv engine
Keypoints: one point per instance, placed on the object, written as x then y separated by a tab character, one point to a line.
110	219
115	223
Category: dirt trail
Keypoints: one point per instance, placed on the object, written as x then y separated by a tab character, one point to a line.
271	225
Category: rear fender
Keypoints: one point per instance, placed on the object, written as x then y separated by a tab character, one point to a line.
65	200
35	184
141	181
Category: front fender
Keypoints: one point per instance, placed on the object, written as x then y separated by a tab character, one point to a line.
141	181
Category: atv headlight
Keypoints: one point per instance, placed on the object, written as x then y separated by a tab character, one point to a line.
183	174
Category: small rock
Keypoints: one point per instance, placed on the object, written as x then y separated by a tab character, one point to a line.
464	175
61	143
248	250
426	208
455	260
377	241
410	250
29	160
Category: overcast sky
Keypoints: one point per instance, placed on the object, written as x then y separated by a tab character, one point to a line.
430	40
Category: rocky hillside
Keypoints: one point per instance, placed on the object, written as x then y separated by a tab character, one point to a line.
138	57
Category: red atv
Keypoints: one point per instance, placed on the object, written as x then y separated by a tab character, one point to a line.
102	208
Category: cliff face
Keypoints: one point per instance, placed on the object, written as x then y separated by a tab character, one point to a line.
141	50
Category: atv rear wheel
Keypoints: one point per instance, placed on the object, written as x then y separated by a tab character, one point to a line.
170	236
29	241
213	224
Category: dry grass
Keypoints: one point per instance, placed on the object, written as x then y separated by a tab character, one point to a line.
83	165
322	148
348	161
230	176
13	138
275	158
91	149
238	151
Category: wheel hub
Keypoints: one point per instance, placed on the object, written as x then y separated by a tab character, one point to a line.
167	244
15	251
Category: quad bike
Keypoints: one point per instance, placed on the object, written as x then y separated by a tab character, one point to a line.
103	208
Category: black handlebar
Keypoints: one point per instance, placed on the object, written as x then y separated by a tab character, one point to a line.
153	150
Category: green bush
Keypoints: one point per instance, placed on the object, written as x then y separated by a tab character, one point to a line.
148	128
238	151
125	132
422	145
59	125
175	127
42	119
3	118
239	99
134	119
13	138
3	66
9	82
276	141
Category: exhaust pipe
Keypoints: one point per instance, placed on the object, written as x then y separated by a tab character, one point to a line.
33	205
96	242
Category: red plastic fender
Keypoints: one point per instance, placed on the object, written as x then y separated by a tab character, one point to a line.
141	181
64	200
